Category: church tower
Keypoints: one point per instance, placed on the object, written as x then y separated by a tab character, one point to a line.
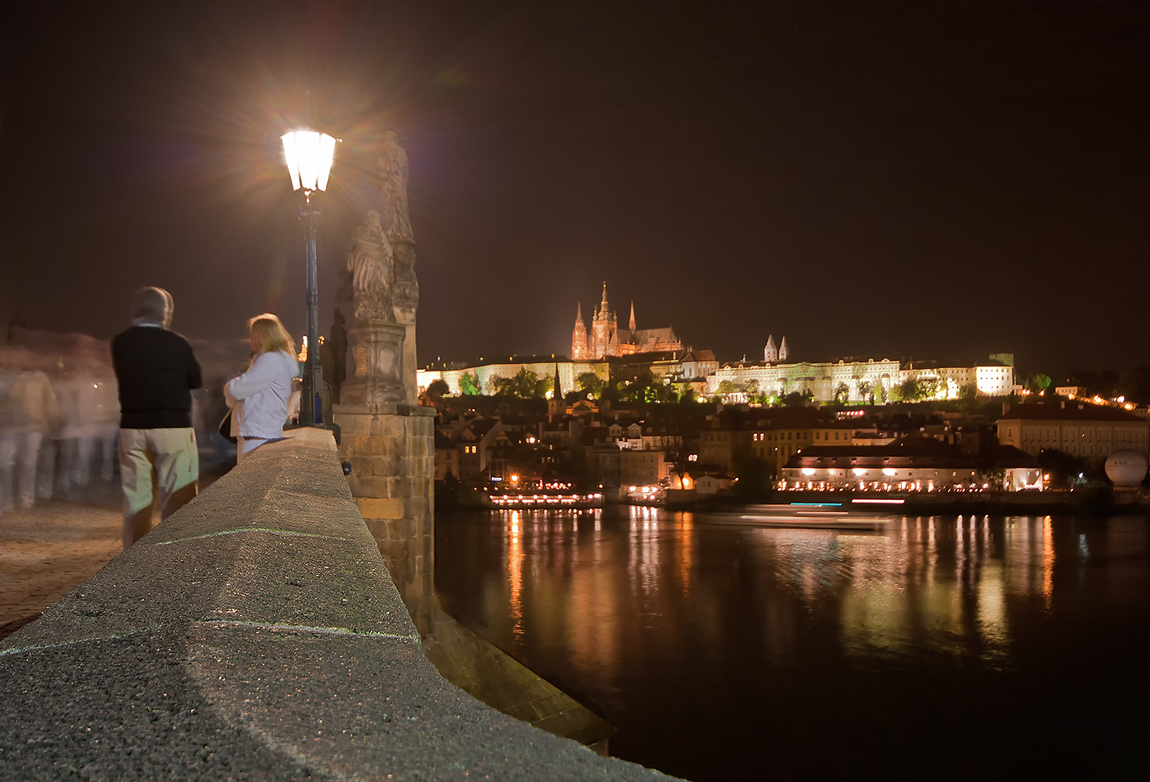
602	328
579	349
770	352
631	325
784	352
555	405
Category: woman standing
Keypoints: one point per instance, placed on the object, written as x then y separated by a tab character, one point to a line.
260	397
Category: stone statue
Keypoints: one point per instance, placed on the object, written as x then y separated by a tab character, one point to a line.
384	292
371	262
393	190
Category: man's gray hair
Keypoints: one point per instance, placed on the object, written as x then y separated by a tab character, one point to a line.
152	305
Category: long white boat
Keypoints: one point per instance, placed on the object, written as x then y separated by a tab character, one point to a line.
806	516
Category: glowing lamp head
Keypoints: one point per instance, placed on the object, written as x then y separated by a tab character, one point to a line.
309	156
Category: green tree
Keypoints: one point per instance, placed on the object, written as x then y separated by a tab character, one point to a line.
865	391
798	398
1039	382
842	393
644	388
436	390
590	383
502	386
525	385
726	387
469	384
908	390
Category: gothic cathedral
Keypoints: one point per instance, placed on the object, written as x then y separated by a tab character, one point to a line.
607	339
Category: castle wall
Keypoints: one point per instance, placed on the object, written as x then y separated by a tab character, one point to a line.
568	372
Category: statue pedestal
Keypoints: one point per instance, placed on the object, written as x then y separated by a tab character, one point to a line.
391	448
377	350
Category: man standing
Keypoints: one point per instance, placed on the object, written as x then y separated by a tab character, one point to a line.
156	370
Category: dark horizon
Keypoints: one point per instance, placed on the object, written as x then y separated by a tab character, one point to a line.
881	180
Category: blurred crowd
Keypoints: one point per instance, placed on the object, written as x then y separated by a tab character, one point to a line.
60	412
59	422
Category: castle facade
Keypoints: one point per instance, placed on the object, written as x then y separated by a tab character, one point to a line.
607	339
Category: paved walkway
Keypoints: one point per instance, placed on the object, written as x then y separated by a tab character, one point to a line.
48	550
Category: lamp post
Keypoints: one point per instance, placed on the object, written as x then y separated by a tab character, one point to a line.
309	156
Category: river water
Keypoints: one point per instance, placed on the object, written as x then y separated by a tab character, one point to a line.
932	648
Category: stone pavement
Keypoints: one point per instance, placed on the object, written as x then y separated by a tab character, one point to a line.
50	549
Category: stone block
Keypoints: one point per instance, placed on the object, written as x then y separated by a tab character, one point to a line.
415	506
383	463
380	508
371	487
407	528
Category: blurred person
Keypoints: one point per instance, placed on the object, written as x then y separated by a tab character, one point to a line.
74	447
156	371
51	449
106	426
262	397
79	422
9	440
32	408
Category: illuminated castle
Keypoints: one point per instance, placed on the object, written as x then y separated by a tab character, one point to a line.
607	339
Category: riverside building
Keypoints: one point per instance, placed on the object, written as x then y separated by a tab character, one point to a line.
1090	432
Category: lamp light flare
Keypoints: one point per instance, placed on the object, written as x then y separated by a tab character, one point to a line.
309	155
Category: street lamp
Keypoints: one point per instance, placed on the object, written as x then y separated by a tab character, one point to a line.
309	156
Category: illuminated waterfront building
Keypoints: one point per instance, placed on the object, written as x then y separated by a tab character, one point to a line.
1090	432
911	465
773	435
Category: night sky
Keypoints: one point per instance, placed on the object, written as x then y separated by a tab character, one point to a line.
931	180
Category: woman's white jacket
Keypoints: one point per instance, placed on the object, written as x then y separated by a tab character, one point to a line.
262	394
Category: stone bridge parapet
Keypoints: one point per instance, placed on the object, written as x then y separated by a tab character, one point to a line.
256	635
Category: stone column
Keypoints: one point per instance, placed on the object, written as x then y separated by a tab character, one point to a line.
391	448
406	298
386	436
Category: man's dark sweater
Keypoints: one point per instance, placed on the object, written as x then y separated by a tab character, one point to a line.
156	370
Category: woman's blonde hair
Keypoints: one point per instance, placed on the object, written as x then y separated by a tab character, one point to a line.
272	334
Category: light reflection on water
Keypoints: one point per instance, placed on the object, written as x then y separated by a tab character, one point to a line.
714	647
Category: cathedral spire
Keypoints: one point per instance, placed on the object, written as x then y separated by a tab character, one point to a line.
784	353
603	304
632	325
579	347
770	352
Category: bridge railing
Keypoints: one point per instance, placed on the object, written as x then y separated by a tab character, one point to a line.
256	634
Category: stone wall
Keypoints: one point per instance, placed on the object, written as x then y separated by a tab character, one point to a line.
256	634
